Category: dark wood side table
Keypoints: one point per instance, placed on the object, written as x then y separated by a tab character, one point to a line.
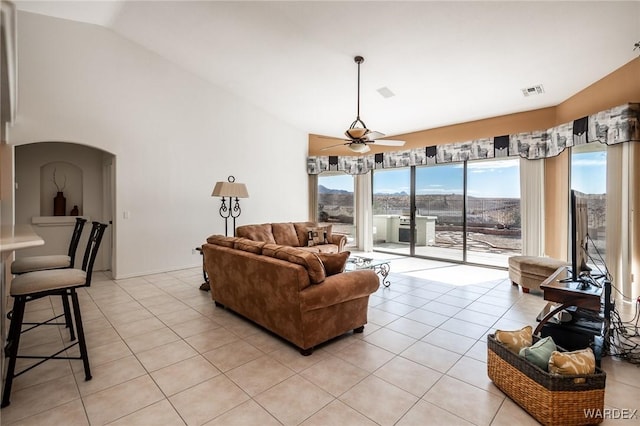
560	289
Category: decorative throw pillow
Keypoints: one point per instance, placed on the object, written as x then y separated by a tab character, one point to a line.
540	352
301	231
334	263
329	229
573	363
515	340
316	236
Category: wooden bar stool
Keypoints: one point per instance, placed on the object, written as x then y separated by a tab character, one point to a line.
24	265
56	282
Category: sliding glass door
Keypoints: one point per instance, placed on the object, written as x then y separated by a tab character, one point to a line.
493	211
392	210
465	212
440	211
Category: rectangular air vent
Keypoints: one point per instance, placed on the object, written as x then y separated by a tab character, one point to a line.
385	92
533	90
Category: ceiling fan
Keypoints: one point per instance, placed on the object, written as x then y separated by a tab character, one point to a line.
359	137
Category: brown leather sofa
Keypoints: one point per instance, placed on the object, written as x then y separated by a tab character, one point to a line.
295	234
301	296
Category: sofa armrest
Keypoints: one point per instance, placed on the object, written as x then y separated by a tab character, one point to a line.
339	288
340	240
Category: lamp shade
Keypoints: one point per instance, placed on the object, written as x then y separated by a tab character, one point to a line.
230	189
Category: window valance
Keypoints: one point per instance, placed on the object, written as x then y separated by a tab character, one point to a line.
616	125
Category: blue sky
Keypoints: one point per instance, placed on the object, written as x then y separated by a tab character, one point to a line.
588	172
499	178
486	179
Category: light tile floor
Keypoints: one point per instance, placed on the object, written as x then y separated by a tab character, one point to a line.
162	354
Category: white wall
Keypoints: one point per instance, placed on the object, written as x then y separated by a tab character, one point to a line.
173	135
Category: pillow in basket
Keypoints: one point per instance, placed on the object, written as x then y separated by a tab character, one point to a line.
515	340
573	363
540	352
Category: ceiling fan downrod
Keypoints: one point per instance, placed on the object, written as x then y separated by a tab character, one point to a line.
358	60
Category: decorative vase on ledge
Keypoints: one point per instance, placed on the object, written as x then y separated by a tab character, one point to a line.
59	205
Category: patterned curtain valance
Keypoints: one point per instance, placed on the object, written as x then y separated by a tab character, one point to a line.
616	125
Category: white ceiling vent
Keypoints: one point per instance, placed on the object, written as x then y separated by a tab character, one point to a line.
385	92
533	90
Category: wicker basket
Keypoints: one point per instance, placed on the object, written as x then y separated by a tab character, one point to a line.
552	399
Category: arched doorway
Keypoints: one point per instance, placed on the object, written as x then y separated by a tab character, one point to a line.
85	175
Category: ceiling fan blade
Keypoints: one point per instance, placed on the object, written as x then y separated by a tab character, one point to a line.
373	135
333	146
388	142
332	137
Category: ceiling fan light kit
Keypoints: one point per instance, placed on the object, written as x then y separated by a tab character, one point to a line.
359	136
356	132
359	147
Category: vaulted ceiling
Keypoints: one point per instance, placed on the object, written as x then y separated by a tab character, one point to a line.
444	62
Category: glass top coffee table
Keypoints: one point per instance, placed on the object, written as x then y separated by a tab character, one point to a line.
382	267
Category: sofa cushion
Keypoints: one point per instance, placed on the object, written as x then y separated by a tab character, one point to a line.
221	240
540	352
324	248
285	234
270	249
515	340
314	249
572	363
334	263
310	261
249	245
256	232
